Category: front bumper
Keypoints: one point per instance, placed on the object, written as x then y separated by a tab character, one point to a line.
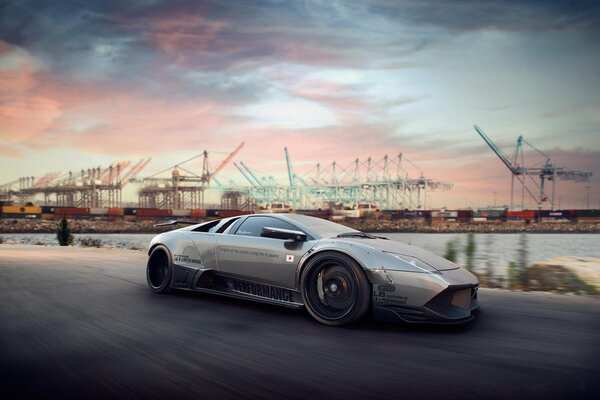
440	297
454	305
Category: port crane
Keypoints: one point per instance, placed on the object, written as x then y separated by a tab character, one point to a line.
92	187
383	184
547	172
183	188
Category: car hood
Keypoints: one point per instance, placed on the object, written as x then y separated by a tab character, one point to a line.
389	250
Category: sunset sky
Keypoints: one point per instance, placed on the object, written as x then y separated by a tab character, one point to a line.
84	84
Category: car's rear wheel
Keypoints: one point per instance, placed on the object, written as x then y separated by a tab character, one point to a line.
335	290
159	270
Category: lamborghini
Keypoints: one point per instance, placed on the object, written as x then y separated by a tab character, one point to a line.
337	273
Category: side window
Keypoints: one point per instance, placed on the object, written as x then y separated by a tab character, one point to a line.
253	225
226	225
207	226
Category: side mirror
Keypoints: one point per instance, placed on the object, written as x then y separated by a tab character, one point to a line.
285	234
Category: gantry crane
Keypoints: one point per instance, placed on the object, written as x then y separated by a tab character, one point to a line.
183	188
92	187
547	172
382	184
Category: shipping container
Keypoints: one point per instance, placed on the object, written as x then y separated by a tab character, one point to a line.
525	214
129	211
233	213
553	220
464	214
587	213
47	216
588	220
550	214
71	211
99	211
115	212
152	212
489	213
20	210
212	213
20	216
198	213
444	214
47	210
324	214
410	214
181	213
347	213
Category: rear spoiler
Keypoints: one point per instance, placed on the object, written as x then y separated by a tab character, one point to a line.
176	222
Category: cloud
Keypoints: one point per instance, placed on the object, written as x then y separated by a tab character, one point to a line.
331	80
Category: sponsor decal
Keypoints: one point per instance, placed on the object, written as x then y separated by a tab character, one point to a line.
247	252
289	258
181	258
381	297
386	288
262	290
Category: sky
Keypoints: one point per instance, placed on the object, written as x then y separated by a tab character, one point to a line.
89	83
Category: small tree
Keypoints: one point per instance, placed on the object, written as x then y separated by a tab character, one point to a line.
522	262
450	251
514	276
63	233
470	252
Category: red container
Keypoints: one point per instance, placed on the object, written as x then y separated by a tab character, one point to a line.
152	212
462	214
232	213
198	213
70	211
115	212
526	214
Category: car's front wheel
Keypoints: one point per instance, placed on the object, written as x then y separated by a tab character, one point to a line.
159	270
335	290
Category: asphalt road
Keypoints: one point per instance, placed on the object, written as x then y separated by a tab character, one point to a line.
80	323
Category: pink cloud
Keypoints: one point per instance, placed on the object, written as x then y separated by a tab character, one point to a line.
24	112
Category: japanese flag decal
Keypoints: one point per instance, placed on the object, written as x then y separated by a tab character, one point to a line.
289	258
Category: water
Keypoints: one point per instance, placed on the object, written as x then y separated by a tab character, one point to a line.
493	251
134	241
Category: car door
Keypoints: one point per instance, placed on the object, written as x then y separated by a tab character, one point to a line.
245	254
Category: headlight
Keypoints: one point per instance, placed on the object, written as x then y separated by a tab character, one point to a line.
415	263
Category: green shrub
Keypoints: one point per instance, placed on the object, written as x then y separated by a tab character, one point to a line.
89	242
63	233
470	252
450	254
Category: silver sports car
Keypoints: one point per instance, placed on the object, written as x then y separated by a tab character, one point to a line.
339	274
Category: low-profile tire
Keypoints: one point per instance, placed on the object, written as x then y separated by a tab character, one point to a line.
335	289
159	270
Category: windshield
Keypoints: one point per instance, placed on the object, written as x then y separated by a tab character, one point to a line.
321	227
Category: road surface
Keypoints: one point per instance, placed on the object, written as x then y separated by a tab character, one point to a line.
81	323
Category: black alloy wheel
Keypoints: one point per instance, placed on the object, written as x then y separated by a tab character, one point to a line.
335	290
159	270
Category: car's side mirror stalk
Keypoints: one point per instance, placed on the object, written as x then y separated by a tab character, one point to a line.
285	234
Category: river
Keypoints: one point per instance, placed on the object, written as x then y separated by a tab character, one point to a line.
493	252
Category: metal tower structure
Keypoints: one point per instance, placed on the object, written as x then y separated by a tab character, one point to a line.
381	184
183	188
546	172
92	187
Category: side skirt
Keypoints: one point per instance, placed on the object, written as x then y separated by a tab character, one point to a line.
212	282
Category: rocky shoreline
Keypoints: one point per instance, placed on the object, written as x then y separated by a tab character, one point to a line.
367	225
